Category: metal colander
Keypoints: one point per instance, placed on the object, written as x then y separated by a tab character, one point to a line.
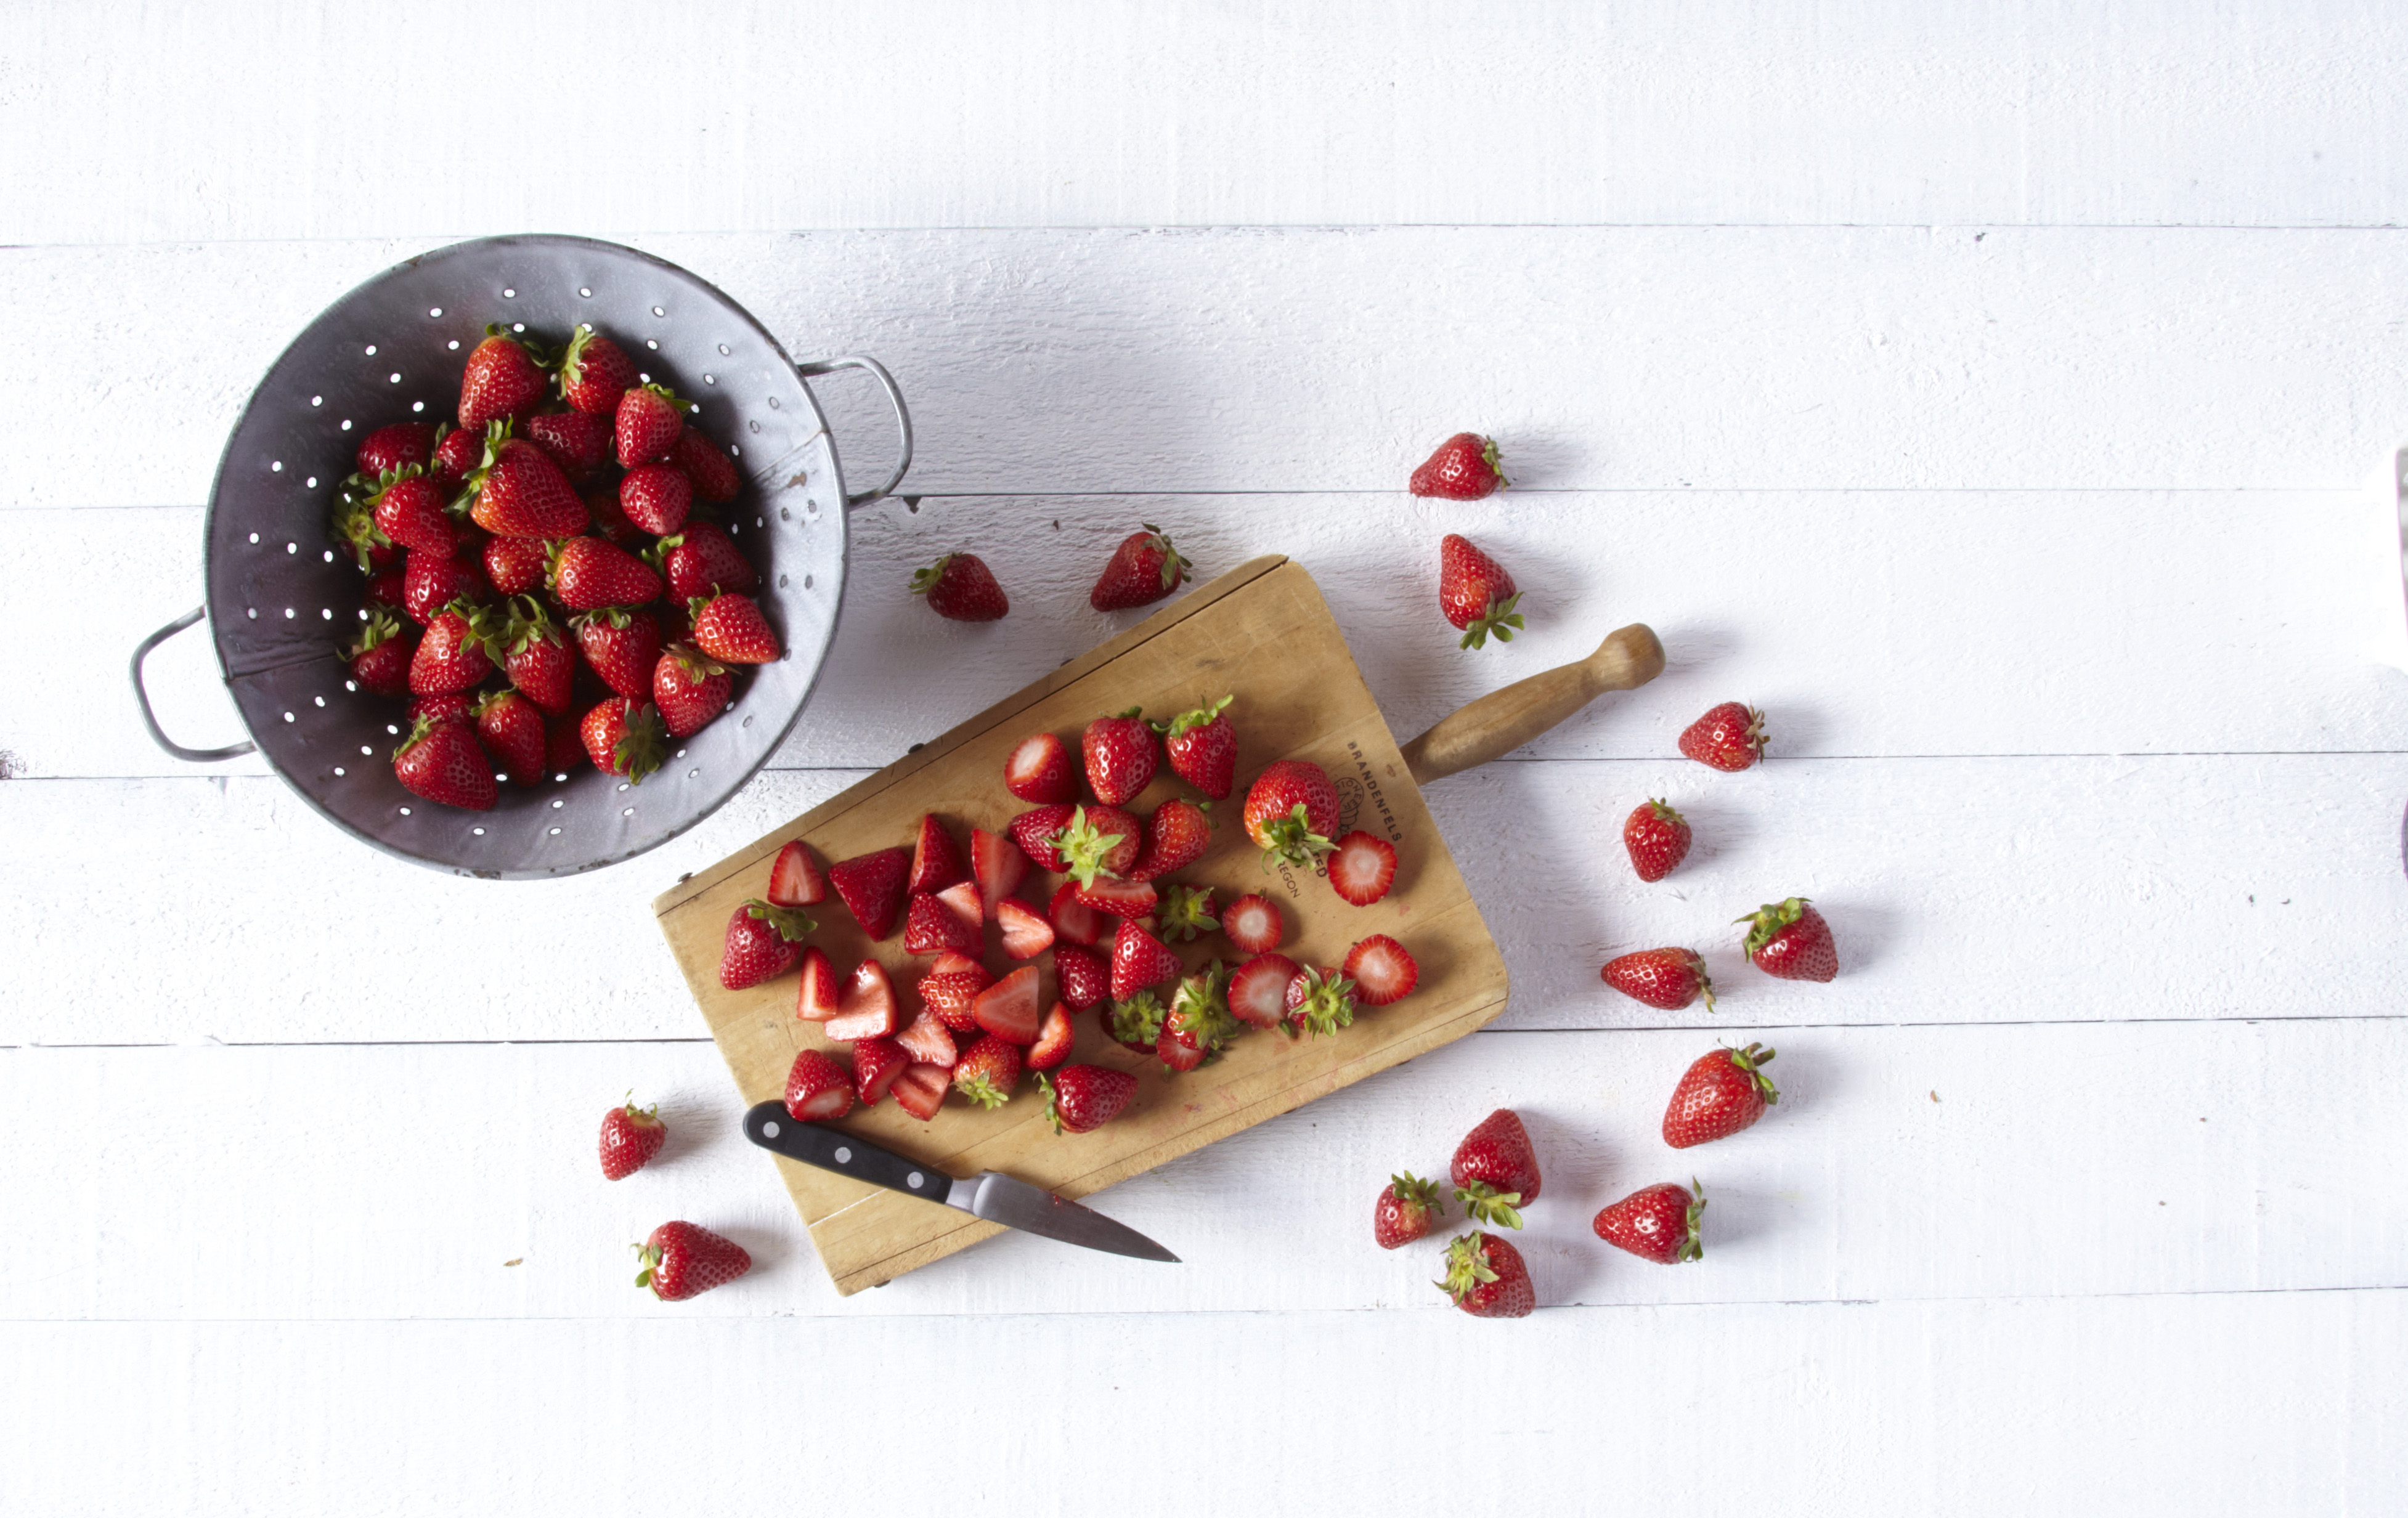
279	598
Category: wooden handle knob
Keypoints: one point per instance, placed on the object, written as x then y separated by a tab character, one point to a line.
1503	720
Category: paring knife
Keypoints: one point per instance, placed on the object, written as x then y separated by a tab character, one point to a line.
996	1198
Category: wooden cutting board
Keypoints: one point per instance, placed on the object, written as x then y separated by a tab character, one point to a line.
1262	632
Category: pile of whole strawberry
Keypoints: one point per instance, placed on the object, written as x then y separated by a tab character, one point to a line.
1106	931
560	530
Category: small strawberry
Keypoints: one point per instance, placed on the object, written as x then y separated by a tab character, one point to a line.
380	659
930	1041
1098	840
1119	898
1657	837
656	498
522	493
1084	1097
1407	1206
1464	469
1034	832
623	647
610	522
876	1062
961	588
1039	770
579	444
631	1136
1291	811
1788	940
1143	569
458	451
819	995
988	1072
1202	748
682	1260
866	1008
352	529
1257	989
1362	867
1025	935
1254	924
730	628
931	927
689	688
1074	921
1134	1022
408	509
1382	971
921	1090
441	761
512	730
1008	1008
1176	836
1476	594
1495	1170
1184	913
997	865
385	589
763	943
537	657
588	574
623	737
594	371
936	859
1655	1223
1120	756
872	888
1722	1094
1082	975
1054	1035
713	472
503	376
1198	1024
1138	961
1317	1001
1486	1277
1668	979
646	425
515	565
395	447
431	581
794	877
1730	738
453	655
702	561
818	1089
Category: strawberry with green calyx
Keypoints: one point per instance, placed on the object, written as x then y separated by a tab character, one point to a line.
588	574
961	588
410	509
1656	1222
1199	1025
1666	979
380	659
594	372
512	730
1184	913
1120	756
522	493
1143	569
631	1136
458	451
441	761
623	647
1790	940
1476	594
457	652
1495	1170
763	943
730	628
1729	738
646	423
1464	469
624	737
1176	836
1721	1094
1486	1277
656	498
1100	840
690	689
504	375
1134	1020
1291	811
1657	838
1405	1211
1082	1099
1202	748
355	534
396	446
988	1072
537	657
681	1260
1318	1001
703	561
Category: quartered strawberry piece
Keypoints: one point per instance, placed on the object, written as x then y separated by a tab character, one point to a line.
950	994
867	1008
1074	921
965	902
928	1041
820	997
996	865
795	879
1025	935
933	927
818	1088
1008	1007
872	887
1120	898
919	1090
1038	769
950	963
936	863
1053	1045
876	1062
1034	832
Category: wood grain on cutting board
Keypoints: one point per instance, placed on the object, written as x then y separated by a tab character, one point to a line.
1263	631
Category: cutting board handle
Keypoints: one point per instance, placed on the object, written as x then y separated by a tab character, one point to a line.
1503	720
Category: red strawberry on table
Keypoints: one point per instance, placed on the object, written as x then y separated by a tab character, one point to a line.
395	447
1486	1277
936	861
624	737
1138	961
690	689
1039	770
1254	924
579	444
1202	748
713	471
657	497
683	1260
451	657
1291	811
1730	738
1407	1206
1657	838
515	565
730	628
1081	975
1495	1170
380	659
1134	1022
1317	1001
646	425
1084	1097
865	1009
1176	836
588	574
1476	594
961	588
1143	569
1120	757
1668	979
763	943
631	1136
510	728
819	995
997	865
441	761
431	581
794	877
410	509
1034	831
876	1062
1362	867
1655	1223
522	493
1789	940
501	377
1382	971
1464	469
624	648
988	1072
818	1088
702	561
537	656
872	888
594	372
1722	1094
1054	1035
1257	989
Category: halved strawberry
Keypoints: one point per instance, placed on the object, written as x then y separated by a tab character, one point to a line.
1034	831
1380	969
818	1088
1138	961
1362	867
1038	769
1053	1045
1008	1008
928	1041
1254	924
1258	990
1074	921
1081	976
933	927
1120	898
867	1008
1025	935
819	997
996	865
936	863
872	887
920	1089
964	900
951	994
876	1062
795	879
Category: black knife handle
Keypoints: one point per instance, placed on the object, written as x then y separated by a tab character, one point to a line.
775	1129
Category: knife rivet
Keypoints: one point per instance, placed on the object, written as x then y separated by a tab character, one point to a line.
843	1155
768	1130
915	1178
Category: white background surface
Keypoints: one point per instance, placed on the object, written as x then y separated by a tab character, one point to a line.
1989	398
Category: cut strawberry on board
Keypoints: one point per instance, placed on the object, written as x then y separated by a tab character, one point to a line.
867	1008
951	995
818	1088
1258	990
1362	867
1034	832
1081	976
871	886
794	877
1053	1045
1138	961
820	995
1025	935
1119	898
876	1062
1382	971
965	903
932	927
1009	1009
1074	921
936	863
920	1089
1039	770
1120	756
997	867
1254	924
928	1041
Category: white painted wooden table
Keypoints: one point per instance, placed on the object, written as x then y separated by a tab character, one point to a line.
1990	399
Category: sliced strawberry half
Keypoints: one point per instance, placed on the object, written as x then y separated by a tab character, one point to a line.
928	1041
819	996
921	1090
965	903
1258	990
1074	921
795	879
1025	935
867	1008
1120	898
936	862
876	1062
872	887
1380	969
996	865
1254	924
1362	867
1081	976
1008	1007
1053	1045
1038	769
818	1088
1138	961
933	927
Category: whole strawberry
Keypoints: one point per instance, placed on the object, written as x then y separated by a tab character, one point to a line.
431	581
1656	1222
1486	1277
588	574
410	509
702	561
522	493
1475	592
682	1260
512	730
380	659
631	1136
453	655
1143	569
961	588
730	628
1730	738
1202	748
502	377
623	647
1406	1207
515	565
1464	469
537	656
656	498
1495	1170
1669	979
1789	940
395	447
1724	1093
457	452
690	689
1120	756
1080	1098
594	372
1176	836
1657	837
713	472
1291	811
646	425
441	761
623	737
763	943
579	444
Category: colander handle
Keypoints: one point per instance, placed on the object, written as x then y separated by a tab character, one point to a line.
902	416
142	698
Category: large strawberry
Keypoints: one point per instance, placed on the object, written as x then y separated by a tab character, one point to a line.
1143	569
624	647
455	653
656	498
512	730
681	1259
431	581
763	943
1790	940
588	574
1464	469
702	561
1291	811
395	447
1098	840
1721	1094
380	659
935	858
712	472
730	628
1655	1223
1729	738
515	565
647	423
1475	592
1082	1099
1407	1206
1486	1277
502	377
631	1136
441	761
1203	747
624	737
1667	978
410	509
1038	769
579	444
1120	757
961	588
871	886
537	657
522	493
1138	961
1657	838
1495	1170
594	371
690	689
